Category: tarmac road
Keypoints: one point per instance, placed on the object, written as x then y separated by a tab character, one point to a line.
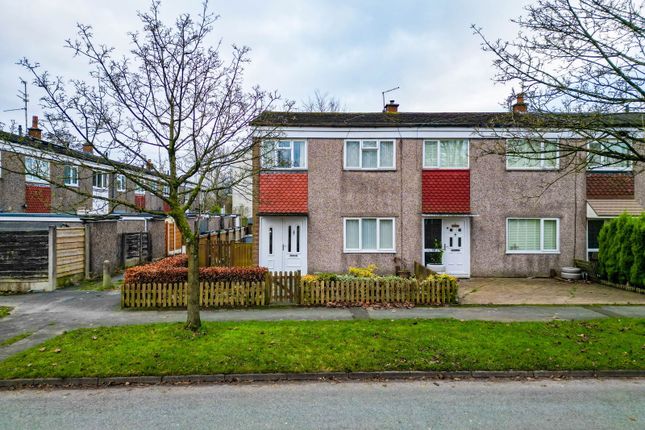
537	404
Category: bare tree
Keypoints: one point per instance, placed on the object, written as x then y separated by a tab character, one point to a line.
322	102
581	64
173	95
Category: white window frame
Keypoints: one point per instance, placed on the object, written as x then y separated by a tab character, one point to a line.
604	166
274	154
542	155
360	236
33	179
378	154
439	166
165	190
107	180
117	181
541	250
71	184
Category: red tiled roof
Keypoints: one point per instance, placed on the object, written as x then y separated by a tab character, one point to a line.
283	193
38	198
610	186
445	191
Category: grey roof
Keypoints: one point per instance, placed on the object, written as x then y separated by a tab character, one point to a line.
439	119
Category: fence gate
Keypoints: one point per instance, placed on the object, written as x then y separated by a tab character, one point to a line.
284	287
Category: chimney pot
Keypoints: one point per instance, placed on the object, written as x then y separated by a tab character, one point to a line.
88	148
34	131
520	106
149	164
391	107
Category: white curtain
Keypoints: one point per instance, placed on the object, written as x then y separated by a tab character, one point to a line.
352	154
430	154
454	153
550	235
369	158
368	233
387	154
386	236
523	234
352	234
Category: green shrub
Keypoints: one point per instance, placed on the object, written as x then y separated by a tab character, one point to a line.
621	255
363	272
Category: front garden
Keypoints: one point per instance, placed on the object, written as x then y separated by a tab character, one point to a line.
163	284
343	346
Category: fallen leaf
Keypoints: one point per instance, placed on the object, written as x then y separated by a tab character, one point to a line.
43	349
57	350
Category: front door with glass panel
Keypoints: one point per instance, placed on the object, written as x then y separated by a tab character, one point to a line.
283	243
446	243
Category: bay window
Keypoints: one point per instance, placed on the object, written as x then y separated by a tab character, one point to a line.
284	154
369	154
522	154
369	235
445	154
532	235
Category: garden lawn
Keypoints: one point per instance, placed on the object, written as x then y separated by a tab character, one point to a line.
5	311
312	346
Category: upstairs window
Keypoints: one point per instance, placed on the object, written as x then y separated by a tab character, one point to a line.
445	154
36	170
70	176
522	154
284	154
369	154
100	180
120	183
604	162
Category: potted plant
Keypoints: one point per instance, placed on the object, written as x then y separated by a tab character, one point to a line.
434	258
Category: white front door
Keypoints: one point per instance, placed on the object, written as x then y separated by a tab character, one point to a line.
447	245
456	246
283	243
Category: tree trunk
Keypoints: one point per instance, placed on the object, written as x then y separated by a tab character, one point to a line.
193	321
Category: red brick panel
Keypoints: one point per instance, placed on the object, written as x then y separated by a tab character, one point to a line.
610	186
445	191
283	193
140	201
38	198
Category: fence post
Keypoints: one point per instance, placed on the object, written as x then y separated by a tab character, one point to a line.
51	267
267	288
87	251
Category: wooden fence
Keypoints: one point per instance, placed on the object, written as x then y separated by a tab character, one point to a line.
288	288
430	292
229	254
70	251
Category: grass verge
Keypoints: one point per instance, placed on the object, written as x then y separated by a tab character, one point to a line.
5	311
311	346
15	339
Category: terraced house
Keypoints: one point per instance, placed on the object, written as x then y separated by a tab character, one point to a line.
390	188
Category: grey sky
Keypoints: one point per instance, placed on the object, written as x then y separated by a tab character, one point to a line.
351	49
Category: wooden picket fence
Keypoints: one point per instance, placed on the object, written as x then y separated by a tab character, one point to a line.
228	254
430	292
288	288
212	294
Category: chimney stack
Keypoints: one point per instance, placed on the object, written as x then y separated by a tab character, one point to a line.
34	131
520	106
88	148
391	107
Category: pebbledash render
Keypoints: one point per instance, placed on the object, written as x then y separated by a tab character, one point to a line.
390	188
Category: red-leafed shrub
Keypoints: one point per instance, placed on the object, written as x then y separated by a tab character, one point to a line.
175	269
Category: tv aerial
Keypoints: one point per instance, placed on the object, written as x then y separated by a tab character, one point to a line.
388	91
24	97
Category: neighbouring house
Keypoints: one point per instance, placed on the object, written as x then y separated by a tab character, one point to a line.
390	188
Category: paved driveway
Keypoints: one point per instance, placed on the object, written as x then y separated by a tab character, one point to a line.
542	291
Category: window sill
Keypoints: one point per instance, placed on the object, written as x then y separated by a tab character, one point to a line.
40	183
356	169
283	169
528	169
71	185
369	252
445	168
532	252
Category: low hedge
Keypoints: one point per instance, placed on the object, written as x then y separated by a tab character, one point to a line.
175	269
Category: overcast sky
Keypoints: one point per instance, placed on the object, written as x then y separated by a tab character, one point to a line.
351	49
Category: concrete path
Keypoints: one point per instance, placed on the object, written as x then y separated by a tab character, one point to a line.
540	404
539	291
48	314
